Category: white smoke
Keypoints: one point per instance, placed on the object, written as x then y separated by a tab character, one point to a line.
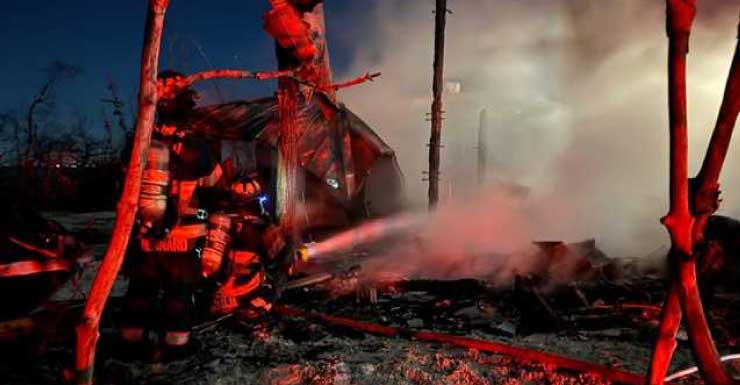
576	97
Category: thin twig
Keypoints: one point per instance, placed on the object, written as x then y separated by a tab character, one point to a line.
368	77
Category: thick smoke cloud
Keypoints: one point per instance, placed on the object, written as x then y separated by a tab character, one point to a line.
576	97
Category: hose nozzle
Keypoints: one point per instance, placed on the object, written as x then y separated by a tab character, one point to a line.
302	253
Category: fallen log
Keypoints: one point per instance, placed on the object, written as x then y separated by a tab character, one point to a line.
516	353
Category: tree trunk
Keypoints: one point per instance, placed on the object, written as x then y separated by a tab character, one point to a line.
289	181
665	346
704	202
87	330
690	210
679	221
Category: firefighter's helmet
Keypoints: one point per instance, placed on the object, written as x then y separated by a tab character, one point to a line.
246	190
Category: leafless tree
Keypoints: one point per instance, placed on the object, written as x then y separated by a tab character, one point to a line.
56	72
118	107
10	135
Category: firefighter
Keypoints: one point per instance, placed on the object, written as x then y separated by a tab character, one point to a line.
257	259
163	262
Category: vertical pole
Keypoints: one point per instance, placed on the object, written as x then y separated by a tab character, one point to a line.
482	146
289	183
440	20
87	330
678	221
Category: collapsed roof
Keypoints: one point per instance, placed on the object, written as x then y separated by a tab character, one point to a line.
338	148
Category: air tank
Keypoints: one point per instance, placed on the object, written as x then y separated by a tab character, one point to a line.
217	240
154	185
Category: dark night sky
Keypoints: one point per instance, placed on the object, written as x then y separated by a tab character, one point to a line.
575	89
104	39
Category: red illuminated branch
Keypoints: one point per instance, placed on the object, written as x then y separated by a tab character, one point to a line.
170	87
87	330
516	353
35	249
690	209
368	77
236	74
679	220
328	90
700	337
268	75
705	198
705	201
665	345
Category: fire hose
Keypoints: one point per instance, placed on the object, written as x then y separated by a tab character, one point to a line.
685	372
516	353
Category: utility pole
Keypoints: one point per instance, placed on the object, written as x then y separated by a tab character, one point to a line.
440	19
482	146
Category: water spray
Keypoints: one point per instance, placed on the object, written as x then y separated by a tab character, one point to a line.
365	234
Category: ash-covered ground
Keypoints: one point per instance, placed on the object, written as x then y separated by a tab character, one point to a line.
294	351
610	323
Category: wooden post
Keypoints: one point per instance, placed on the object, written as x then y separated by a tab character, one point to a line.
482	146
87	330
440	20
